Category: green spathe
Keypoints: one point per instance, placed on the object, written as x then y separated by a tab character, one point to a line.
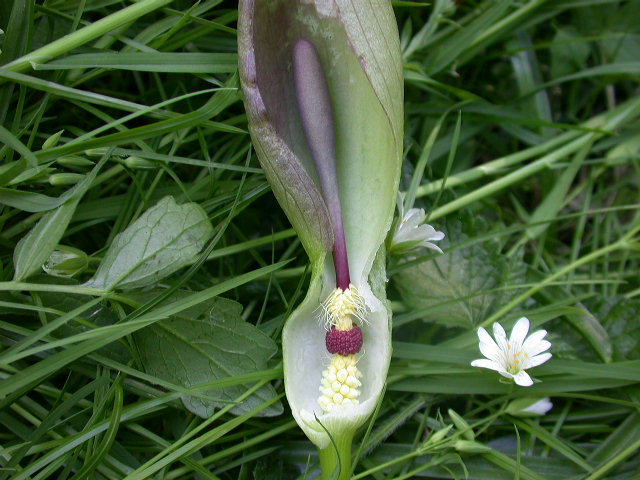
359	50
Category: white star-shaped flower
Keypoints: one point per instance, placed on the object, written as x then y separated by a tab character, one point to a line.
511	357
410	234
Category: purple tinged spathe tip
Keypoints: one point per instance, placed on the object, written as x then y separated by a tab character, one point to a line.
314	106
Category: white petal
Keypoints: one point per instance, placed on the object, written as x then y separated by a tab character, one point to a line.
534	349
498	330
491	351
408	235
533	339
538	360
399	236
485	338
413	218
432	246
500	336
540	407
484	363
519	333
409	230
523	379
429	233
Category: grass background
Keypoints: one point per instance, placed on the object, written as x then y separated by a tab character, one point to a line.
522	141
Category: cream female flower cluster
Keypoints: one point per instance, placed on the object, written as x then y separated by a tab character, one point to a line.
340	383
511	357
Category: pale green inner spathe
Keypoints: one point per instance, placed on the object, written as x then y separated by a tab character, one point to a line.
366	150
359	50
367	164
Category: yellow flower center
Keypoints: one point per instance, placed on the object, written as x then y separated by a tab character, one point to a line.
515	360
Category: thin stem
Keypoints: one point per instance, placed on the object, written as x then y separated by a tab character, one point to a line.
314	106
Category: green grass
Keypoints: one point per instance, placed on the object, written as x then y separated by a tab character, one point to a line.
522	143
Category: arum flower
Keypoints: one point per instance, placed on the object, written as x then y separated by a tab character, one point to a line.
322	83
511	357
412	233
529	407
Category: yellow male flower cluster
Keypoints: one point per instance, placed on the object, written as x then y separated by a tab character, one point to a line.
340	306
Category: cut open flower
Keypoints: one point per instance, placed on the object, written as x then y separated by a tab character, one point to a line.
511	357
323	84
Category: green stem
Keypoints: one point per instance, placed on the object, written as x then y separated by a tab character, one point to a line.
85	35
335	460
615	461
36	287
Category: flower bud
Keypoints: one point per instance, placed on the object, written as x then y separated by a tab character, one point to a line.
52	141
66	261
139	163
74	161
462	425
439	435
529	407
61	179
468	446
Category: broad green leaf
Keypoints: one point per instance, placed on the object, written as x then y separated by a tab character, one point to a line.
100	316
202	345
461	287
90	341
164	239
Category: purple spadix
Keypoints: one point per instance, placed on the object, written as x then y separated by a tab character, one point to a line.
314	106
